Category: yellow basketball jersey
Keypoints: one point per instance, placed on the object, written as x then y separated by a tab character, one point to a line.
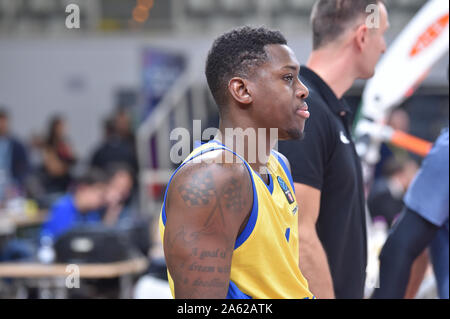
265	257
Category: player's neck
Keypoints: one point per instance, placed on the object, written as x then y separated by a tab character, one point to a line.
334	67
252	144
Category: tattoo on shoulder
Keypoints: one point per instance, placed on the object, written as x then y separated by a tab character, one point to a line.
199	191
232	195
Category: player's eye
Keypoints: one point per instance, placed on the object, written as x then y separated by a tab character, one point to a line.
288	77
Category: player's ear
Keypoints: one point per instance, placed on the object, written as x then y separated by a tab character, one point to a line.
361	35
238	89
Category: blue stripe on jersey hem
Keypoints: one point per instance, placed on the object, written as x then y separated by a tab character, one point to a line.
286	170
235	293
288	233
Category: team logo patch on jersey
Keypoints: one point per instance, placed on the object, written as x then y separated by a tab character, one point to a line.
286	190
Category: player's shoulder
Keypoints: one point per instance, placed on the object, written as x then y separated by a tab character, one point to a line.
217	168
218	161
212	179
283	159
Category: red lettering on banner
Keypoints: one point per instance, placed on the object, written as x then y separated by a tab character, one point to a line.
430	34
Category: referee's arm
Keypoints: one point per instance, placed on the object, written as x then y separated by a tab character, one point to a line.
313	259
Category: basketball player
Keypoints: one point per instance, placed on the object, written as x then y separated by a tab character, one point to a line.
227	230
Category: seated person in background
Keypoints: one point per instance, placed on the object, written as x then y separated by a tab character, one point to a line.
398	120
83	205
118	194
123	126
386	195
13	159
121	207
113	149
58	158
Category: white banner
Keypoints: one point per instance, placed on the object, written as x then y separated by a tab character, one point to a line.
407	61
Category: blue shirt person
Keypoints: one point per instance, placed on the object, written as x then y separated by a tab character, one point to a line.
80	207
424	222
64	215
428	196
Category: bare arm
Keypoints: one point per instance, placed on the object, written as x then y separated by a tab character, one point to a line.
207	205
418	271
313	259
112	214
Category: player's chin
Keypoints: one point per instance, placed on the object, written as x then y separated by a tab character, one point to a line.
292	134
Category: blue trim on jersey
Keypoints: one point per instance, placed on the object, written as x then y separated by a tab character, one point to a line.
197	143
235	293
286	169
288	233
248	229
253	216
254	213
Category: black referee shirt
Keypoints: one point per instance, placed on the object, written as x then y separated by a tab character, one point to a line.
326	159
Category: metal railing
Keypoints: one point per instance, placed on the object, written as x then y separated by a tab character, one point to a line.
183	103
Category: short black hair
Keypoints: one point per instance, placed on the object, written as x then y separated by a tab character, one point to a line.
91	177
236	53
116	167
331	18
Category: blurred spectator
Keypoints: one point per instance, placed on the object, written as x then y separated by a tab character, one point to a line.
115	148
14	164
81	206
121	211
53	159
398	120
386	195
118	195
58	158
123	127
36	145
